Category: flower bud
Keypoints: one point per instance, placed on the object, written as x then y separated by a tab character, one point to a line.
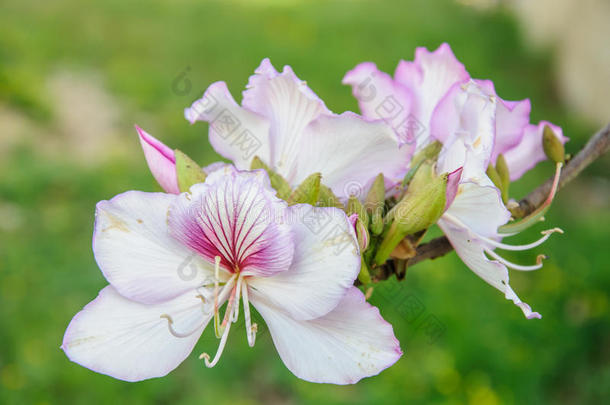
553	148
161	161
421	207
355	207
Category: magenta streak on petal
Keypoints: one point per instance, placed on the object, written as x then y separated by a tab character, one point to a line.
453	181
158	145
230	219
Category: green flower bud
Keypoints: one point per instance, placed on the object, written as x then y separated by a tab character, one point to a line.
307	192
420	207
553	148
187	171
355	207
279	184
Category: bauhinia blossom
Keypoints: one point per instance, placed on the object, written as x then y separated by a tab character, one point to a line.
173	261
475	126
283	122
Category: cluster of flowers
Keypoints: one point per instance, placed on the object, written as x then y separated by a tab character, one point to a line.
311	202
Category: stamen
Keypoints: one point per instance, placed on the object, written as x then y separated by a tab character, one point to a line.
221	346
237	296
514	266
250	329
216	280
505	246
226	290
170	322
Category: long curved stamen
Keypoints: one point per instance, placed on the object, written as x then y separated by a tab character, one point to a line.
514	266
250	329
547	234
221	346
226	290
170	326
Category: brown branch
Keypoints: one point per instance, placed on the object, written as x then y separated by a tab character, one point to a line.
597	146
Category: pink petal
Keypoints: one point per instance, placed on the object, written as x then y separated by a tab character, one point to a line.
429	78
130	341
160	160
380	97
349	343
453	181
236	216
511	119
529	152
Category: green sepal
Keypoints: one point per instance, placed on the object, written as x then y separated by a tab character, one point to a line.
430	152
328	199
503	172
188	171
279	184
307	192
420	207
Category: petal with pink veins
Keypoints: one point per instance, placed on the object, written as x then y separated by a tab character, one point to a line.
236	216
136	253
349	343
326	263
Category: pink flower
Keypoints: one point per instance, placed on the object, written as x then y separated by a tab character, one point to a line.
173	261
282	121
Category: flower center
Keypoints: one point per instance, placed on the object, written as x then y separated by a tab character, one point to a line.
235	288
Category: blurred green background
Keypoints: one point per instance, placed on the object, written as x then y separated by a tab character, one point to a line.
76	75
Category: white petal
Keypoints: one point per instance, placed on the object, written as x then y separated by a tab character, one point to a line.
326	262
289	105
136	253
351	342
350	152
471	251
130	341
236	133
480	208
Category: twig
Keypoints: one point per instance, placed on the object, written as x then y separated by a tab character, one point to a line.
597	146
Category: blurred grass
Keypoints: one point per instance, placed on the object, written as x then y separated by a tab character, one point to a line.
488	353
